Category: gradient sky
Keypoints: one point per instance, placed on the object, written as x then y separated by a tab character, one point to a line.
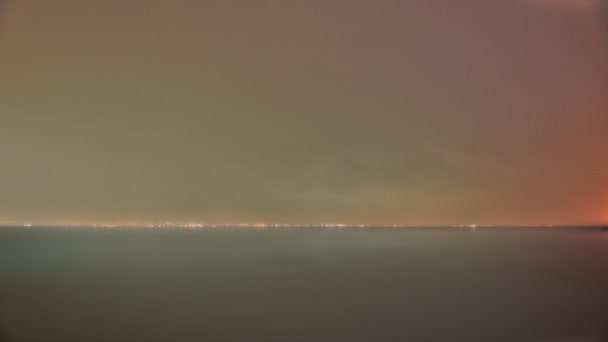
411	112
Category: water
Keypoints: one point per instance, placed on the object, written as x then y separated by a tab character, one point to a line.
303	285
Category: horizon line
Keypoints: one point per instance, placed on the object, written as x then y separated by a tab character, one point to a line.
198	225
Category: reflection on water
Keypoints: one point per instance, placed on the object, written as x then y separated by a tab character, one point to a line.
303	285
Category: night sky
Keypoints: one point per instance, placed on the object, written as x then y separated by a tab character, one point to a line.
409	112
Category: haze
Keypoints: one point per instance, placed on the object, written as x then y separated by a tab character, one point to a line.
416	112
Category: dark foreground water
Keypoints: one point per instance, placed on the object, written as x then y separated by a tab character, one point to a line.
303	285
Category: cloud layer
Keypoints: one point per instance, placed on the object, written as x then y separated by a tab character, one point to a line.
574	4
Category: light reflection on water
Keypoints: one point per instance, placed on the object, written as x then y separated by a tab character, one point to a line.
303	285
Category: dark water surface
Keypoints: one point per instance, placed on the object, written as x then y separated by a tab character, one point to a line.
303	285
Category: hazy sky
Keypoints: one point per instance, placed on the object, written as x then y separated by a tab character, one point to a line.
376	111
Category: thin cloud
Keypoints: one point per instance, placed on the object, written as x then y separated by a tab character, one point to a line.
573	4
